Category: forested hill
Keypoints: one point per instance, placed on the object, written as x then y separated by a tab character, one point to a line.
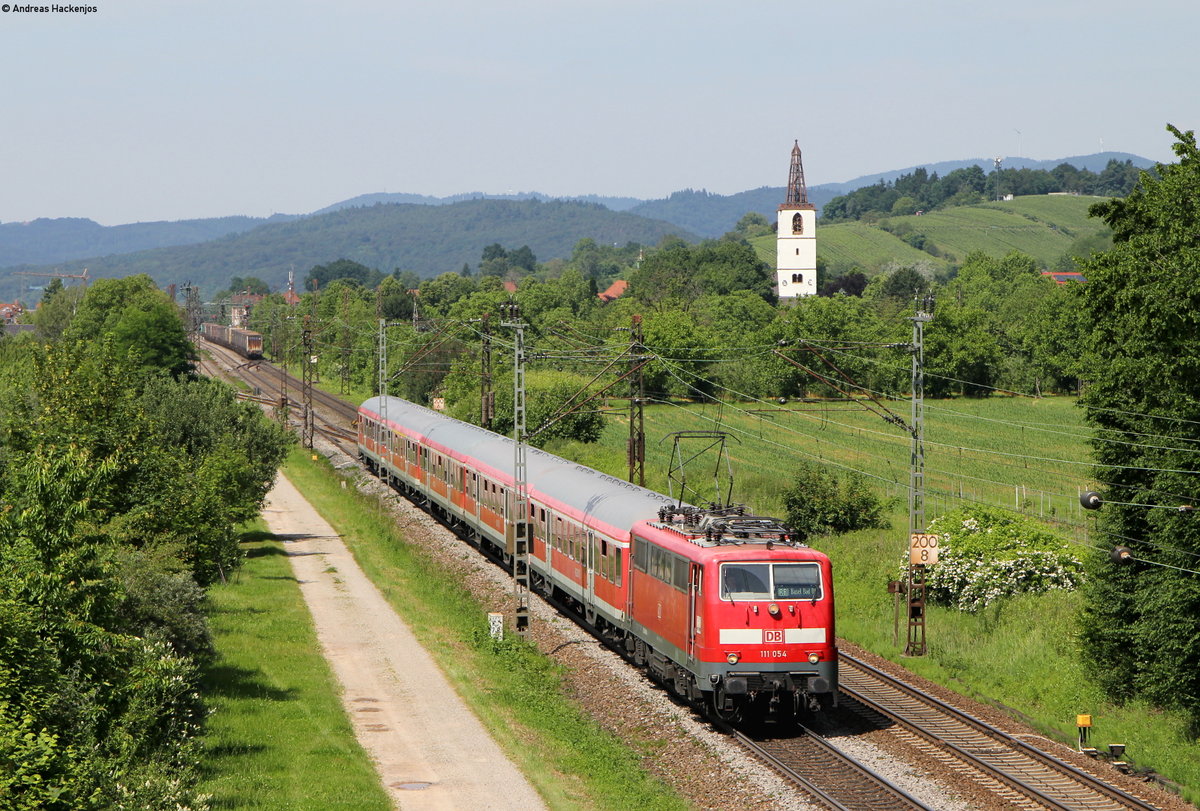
711	215
57	240
427	240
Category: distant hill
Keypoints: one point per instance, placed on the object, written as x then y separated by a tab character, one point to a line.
44	241
711	215
1093	163
614	203
108	250
1046	227
425	239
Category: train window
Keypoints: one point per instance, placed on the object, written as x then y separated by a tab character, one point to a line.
660	565
797	581
681	574
746	581
639	554
617	566
770	581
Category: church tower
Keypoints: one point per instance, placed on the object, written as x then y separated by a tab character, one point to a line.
796	238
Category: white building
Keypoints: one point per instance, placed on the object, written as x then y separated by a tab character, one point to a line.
796	238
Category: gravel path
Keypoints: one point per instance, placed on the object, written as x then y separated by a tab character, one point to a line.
429	750
703	766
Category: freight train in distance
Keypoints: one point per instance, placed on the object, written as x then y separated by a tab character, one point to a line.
725	609
245	342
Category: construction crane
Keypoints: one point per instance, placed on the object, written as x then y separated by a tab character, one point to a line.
83	276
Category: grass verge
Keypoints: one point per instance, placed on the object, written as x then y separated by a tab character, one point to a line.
516	692
278	736
1020	654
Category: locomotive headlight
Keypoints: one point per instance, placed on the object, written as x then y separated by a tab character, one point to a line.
813	658
732	658
773	609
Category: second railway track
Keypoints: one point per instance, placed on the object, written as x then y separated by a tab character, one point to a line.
1041	779
1030	777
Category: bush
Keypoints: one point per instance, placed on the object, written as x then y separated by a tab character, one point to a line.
821	501
986	554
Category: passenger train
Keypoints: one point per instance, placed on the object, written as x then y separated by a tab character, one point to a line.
724	608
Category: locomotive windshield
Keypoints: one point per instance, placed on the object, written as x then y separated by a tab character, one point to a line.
770	581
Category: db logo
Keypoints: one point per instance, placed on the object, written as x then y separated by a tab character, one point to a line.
773	636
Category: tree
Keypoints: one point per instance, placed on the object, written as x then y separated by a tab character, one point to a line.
51	290
438	295
752	224
523	258
904	283
1142	359
139	318
395	302
822	501
248	284
54	315
342	269
961	353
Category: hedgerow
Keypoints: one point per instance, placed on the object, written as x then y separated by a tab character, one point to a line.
986	554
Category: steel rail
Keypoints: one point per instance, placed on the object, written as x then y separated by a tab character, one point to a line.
813	763
1037	774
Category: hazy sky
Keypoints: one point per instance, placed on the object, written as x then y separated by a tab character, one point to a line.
178	109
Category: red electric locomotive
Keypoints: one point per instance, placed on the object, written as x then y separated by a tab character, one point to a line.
724	608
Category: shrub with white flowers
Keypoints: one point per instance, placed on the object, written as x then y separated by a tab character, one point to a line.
986	554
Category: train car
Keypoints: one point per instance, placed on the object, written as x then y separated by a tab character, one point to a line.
246	343
724	608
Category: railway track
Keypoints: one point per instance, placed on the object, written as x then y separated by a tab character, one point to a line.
819	769
1031	777
333	417
1006	766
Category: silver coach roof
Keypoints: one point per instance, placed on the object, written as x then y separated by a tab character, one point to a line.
611	500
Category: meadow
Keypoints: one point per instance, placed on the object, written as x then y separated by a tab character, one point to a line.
1021	453
1042	226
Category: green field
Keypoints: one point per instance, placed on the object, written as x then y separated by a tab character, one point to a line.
1043	226
1006	451
1015	452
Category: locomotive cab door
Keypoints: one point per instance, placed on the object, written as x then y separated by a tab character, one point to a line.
695	608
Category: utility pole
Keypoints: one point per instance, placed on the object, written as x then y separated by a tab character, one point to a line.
922	551
307	381
278	340
520	515
487	397
383	395
637	399
191	303
347	342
